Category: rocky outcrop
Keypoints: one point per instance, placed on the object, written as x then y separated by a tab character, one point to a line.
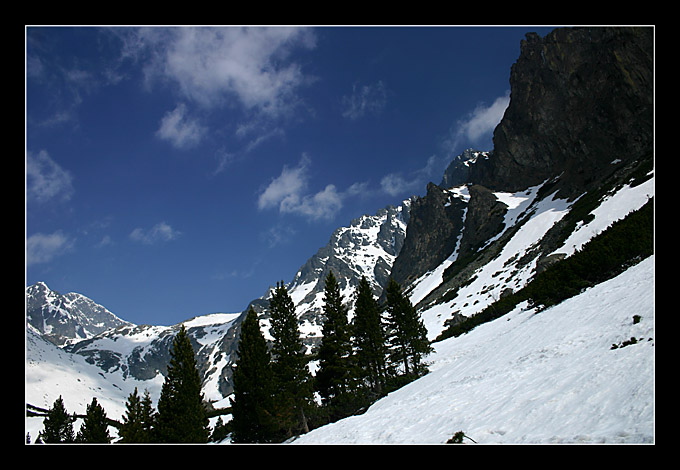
581	103
458	171
484	219
436	221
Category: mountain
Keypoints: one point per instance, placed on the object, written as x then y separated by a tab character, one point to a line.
577	134
68	318
573	154
367	247
581	99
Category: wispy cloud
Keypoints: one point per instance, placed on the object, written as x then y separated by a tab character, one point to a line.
479	123
43	248
285	188
161	232
46	180
396	184
179	129
67	80
278	234
289	193
365	99
211	65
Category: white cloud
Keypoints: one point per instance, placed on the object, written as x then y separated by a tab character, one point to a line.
161	232
209	65
366	99
42	248
180	130
395	184
285	188
288	193
481	121
46	180
322	205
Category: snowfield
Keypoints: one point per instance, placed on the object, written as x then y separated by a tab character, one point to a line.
530	378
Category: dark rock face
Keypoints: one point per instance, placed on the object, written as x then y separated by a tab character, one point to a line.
484	219
581	109
580	99
436	221
442	221
458	171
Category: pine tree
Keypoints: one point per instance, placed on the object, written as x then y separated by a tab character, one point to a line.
95	428
253	401
148	419
220	431
334	379
293	381
137	426
407	335
181	414
369	338
58	425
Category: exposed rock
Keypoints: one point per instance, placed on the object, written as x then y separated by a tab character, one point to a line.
581	98
458	171
545	262
436	221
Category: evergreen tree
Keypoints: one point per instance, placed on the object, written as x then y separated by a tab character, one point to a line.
407	335
334	379
137	426
293	382
95	428
369	339
181	414
220	431
148	419
253	401
58	425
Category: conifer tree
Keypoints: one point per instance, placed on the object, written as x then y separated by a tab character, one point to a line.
407	335
58	425
369	338
95	428
181	414
293	382
253	401
137	426
334	379
220	431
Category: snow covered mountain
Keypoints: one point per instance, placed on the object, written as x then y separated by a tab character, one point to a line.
496	220
366	247
68	318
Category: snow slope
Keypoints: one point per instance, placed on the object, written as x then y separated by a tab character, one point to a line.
51	372
504	272
548	377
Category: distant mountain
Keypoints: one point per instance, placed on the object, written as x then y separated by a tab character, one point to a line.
68	318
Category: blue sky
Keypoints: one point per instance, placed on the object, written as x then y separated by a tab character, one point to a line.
174	172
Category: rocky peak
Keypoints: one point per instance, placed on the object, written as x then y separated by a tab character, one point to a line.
458	171
581	98
66	318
